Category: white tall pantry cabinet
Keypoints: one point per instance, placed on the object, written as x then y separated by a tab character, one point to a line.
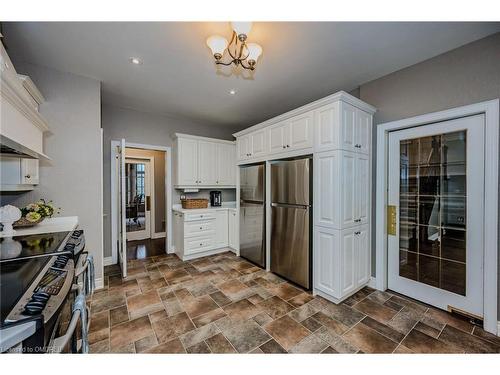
336	130
342	180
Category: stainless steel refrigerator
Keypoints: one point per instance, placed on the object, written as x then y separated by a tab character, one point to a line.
291	198
253	213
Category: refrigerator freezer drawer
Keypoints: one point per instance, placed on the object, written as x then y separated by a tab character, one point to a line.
290	243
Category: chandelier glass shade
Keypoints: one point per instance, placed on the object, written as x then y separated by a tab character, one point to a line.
237	51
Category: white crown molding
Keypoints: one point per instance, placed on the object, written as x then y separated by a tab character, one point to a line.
341	95
30	86
200	138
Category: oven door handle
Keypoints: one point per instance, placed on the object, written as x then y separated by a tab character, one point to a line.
59	343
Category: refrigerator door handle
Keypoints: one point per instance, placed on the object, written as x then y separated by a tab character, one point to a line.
304	206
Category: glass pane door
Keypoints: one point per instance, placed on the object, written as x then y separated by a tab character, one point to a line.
435	244
136	207
433	199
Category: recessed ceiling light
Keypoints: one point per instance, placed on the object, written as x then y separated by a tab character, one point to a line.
232	92
135	61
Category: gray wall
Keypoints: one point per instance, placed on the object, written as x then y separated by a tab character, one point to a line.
144	128
72	179
466	75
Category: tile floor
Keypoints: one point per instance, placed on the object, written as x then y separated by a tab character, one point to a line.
223	304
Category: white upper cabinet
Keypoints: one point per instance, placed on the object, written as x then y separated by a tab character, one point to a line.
326	122
204	162
363	132
326	188
258	141
187	161
278	135
243	147
226	166
207	152
300	131
293	134
341	189
342	126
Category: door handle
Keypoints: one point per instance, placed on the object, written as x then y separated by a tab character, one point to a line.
148	203
391	220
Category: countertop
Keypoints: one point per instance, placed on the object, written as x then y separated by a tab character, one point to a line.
225	206
50	225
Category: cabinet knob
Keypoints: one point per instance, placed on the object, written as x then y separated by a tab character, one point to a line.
201	228
287	145
357	233
27	176
284	146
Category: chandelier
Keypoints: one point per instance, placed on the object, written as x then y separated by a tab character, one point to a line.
240	52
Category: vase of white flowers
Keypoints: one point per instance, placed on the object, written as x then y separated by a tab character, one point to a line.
34	213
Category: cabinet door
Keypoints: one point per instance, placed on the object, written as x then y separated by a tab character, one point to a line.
348	123
300	132
277	138
362	132
207	163
347	262
326	203
326	122
233	230
187	161
243	149
226	165
29	171
362	258
326	260
362	189
348	195
258	143
10	171
221	229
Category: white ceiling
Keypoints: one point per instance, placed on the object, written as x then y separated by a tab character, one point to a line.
301	62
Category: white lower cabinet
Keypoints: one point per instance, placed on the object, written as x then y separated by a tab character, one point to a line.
203	233
341	261
221	229
233	229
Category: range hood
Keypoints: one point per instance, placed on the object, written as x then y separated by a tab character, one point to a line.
9	147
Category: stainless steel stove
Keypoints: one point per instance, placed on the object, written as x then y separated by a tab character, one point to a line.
36	278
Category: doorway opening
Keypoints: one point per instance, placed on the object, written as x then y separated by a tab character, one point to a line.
437	212
141	200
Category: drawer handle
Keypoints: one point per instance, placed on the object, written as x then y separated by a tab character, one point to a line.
287	145
357	220
27	176
201	244
357	233
201	228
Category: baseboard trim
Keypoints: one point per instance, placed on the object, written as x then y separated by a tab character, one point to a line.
372	283
108	261
498	328
99	283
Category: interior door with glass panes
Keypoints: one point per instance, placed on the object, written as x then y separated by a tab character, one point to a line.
435	214
138	198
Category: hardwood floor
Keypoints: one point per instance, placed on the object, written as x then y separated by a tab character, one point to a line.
143	249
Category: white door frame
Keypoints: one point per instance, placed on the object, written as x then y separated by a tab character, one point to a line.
490	109
168	194
151	168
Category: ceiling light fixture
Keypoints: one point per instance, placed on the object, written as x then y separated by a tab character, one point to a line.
135	61
232	92
240	52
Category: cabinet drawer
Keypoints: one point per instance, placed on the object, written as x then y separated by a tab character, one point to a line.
199	227
199	216
198	244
